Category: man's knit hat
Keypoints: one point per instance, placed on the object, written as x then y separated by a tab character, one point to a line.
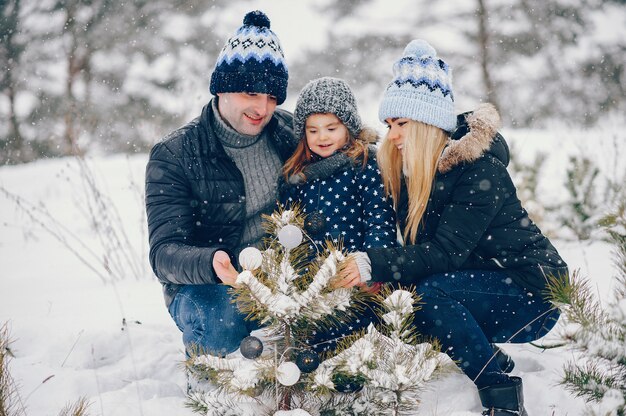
327	95
252	61
421	89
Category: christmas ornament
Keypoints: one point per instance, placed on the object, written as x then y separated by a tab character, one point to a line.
315	223
250	258
288	373
290	236
251	347
345	383
307	361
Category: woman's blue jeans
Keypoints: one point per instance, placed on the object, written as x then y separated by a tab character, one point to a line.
468	310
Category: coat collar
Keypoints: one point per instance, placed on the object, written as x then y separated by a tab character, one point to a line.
474	135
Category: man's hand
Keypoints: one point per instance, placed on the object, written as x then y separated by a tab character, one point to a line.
224	269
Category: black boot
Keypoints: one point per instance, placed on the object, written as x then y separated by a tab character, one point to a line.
504	360
505	399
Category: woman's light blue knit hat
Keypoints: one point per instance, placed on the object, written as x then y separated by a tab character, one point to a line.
421	89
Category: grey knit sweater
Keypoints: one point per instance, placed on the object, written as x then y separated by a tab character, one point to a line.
260	166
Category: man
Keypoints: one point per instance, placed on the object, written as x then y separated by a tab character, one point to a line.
208	183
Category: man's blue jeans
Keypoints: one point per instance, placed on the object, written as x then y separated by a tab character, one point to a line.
212	324
208	319
468	310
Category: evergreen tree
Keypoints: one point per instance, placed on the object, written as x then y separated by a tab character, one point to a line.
288	289
12	45
559	53
597	332
103	75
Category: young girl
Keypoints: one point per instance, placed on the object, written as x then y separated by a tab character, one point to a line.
333	174
470	249
334	178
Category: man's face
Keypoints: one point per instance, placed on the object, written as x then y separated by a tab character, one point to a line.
248	113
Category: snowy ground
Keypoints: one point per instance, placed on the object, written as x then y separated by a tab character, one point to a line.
114	343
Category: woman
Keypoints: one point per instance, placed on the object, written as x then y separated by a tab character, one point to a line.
480	264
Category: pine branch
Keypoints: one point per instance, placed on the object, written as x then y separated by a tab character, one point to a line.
588	381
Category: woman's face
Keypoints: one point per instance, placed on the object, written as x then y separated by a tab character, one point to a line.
397	131
325	134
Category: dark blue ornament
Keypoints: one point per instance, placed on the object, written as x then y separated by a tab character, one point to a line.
251	347
315	223
307	361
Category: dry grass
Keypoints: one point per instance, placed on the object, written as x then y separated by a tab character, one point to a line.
10	399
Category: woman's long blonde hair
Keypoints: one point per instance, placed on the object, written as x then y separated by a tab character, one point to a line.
423	145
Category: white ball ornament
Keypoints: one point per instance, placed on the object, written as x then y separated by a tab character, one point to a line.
288	373
250	258
290	236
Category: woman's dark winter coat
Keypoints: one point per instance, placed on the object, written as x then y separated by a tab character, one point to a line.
351	199
195	199
474	219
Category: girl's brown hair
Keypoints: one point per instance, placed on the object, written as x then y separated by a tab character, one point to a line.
423	145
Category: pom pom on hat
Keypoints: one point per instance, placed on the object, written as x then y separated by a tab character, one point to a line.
421	89
256	18
252	61
419	48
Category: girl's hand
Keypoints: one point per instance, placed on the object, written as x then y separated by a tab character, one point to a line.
224	269
349	276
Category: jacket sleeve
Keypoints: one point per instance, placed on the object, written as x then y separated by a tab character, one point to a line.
477	197
379	218
170	215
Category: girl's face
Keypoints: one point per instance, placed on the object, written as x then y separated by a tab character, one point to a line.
325	134
397	131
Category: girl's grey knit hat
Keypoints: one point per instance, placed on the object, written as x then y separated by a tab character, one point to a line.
327	95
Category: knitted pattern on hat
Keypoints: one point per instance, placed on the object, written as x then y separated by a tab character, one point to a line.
252	61
327	95
421	89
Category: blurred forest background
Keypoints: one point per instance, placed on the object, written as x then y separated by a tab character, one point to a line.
108	76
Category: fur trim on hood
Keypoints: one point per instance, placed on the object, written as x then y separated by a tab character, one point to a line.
483	125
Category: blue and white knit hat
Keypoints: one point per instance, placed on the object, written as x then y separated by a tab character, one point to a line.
421	89
252	61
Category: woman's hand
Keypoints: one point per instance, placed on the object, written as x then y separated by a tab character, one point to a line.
224	269
349	276
371	288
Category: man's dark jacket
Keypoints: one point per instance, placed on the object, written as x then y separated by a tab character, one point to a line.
473	220
195	199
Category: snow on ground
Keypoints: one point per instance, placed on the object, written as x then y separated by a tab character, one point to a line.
115	344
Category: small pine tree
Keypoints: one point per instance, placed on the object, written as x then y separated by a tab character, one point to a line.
579	211
289	291
598	333
526	177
